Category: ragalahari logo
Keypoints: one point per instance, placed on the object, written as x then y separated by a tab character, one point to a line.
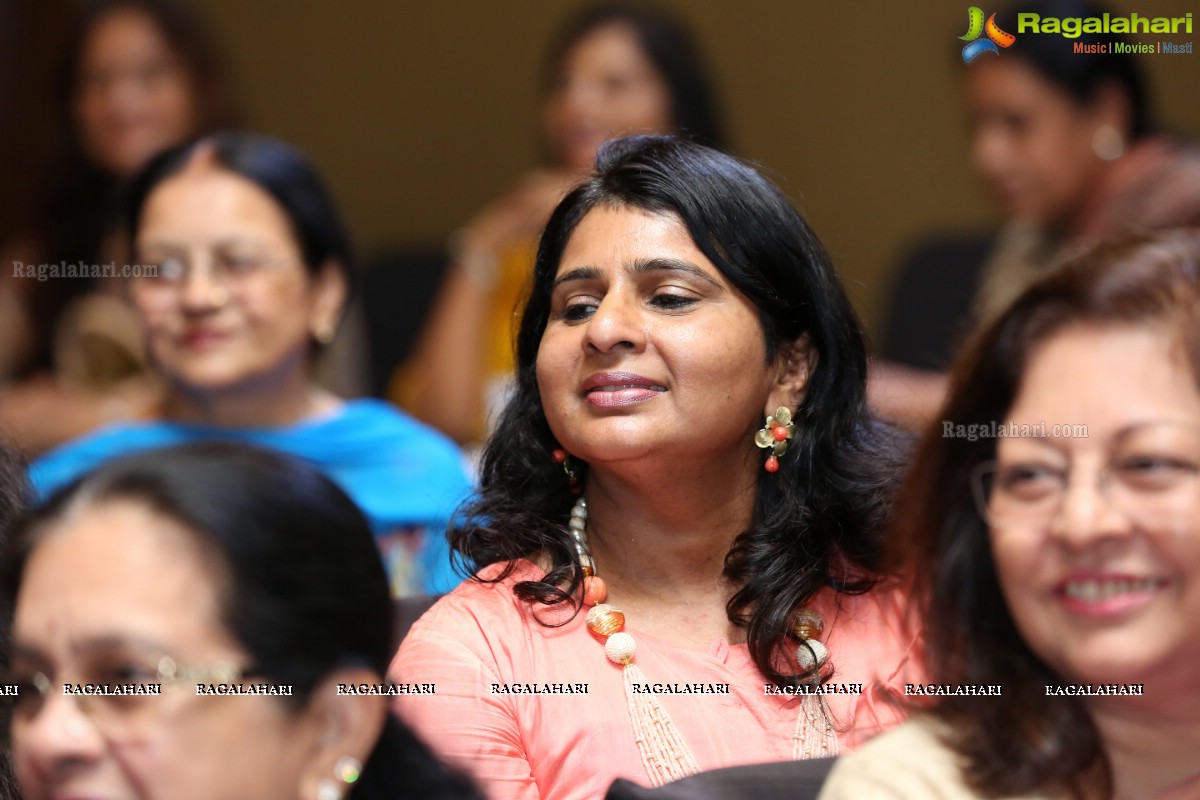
975	27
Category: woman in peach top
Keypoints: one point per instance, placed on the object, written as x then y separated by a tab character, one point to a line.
667	583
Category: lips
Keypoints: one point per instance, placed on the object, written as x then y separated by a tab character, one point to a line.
202	338
1103	595
614	389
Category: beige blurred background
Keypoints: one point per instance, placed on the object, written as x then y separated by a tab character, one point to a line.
419	112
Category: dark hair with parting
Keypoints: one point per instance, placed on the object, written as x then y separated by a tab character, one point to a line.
818	522
277	168
1025	743
301	581
1053	57
667	44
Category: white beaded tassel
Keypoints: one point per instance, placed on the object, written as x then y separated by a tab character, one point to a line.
665	754
814	736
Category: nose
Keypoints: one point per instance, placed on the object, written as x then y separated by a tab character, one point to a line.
616	325
581	97
988	150
200	292
58	741
1088	514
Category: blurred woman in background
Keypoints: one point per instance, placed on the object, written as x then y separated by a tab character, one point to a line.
139	76
249	273
1062	557
1068	144
211	564
1069	147
612	70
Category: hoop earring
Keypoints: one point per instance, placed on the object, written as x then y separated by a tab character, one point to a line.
561	456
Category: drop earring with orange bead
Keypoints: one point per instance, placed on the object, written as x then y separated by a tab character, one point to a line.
775	435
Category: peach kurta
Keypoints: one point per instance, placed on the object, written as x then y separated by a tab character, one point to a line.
570	740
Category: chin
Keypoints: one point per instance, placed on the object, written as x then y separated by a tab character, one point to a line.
1124	663
613	450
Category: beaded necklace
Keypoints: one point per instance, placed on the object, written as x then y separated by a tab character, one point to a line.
665	754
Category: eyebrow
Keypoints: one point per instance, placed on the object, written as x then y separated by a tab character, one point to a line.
673	265
100	644
228	241
640	267
577	274
1122	434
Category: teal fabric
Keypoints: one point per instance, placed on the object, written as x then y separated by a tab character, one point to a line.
406	477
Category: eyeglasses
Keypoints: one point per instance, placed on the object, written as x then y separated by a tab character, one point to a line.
119	696
1148	475
230	265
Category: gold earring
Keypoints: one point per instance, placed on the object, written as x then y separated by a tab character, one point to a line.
323	333
1108	143
775	435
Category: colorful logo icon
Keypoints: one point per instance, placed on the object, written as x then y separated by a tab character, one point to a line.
975	28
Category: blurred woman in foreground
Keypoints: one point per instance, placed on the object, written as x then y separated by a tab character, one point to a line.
1062	563
219	566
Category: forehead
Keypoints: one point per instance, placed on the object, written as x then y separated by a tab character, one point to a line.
123	34
1109	378
617	236
117	570
1012	83
204	199
612	44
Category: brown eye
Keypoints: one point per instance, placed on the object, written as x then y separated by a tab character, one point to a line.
1154	473
1028	481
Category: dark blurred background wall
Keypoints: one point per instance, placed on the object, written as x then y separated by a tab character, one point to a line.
421	112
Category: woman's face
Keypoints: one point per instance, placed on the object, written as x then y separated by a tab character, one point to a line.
1031	141
240	309
133	97
650	350
107	592
605	87
1103	578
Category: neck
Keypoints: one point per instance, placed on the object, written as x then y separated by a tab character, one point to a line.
270	401
660	544
1152	749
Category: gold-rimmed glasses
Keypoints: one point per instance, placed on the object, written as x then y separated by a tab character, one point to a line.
1150	473
121	696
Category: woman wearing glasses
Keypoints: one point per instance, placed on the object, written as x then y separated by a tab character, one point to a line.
244	271
1063	565
186	623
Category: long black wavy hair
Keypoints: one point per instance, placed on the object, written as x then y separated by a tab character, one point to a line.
818	522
